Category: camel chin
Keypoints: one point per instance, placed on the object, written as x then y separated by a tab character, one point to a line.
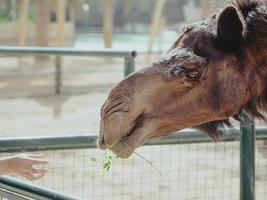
123	149
124	144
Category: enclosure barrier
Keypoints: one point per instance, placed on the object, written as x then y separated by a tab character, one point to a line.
128	56
247	138
89	141
12	189
247	159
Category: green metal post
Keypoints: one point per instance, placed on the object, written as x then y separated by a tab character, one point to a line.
129	65
247	159
58	75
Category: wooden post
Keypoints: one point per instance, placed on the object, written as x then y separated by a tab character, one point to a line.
13	10
108	23
207	7
72	11
155	23
23	22
127	7
42	22
42	28
23	26
61	6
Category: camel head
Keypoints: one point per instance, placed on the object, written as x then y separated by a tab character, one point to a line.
213	70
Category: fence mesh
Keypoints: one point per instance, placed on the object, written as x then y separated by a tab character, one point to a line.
261	170
203	171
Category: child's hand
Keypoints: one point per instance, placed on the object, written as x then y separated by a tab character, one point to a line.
23	165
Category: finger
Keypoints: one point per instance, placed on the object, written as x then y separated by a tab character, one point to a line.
36	155
38	171
33	170
36	161
29	176
39	176
33	177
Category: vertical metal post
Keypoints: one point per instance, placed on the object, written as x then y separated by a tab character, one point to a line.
129	65
247	159
58	75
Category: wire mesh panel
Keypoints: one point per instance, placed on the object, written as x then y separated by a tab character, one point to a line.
7	195
201	171
188	171
261	170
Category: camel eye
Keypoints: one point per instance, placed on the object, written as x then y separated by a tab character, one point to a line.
192	74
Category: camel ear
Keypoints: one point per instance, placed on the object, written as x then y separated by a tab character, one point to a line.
229	29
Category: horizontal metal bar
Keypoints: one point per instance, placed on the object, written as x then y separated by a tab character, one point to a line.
192	136
55	51
89	141
29	190
6	194
47	143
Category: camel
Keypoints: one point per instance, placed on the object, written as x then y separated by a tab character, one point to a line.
215	69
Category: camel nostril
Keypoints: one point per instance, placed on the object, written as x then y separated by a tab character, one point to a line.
102	143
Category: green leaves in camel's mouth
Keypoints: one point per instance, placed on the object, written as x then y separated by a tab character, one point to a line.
108	158
106	161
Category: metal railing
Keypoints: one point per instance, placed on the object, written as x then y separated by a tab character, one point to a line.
86	141
52	143
128	56
247	138
12	189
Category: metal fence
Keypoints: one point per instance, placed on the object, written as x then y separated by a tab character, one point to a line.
191	167
11	189
58	53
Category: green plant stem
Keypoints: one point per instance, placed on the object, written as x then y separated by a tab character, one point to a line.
150	163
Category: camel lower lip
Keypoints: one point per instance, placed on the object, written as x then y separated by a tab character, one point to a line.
128	134
123	149
126	137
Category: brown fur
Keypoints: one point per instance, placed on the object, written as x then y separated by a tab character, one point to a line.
255	38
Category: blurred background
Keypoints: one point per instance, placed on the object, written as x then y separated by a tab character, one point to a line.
28	105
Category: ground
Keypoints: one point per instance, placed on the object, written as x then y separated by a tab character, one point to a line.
29	106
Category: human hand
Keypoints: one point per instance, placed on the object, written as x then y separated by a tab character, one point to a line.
24	165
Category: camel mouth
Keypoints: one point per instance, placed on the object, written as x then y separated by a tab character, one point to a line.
128	134
125	143
125	147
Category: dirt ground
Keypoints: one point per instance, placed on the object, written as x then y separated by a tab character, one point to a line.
189	172
29	107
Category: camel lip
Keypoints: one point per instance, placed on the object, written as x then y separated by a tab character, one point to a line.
125	141
128	134
102	144
123	149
